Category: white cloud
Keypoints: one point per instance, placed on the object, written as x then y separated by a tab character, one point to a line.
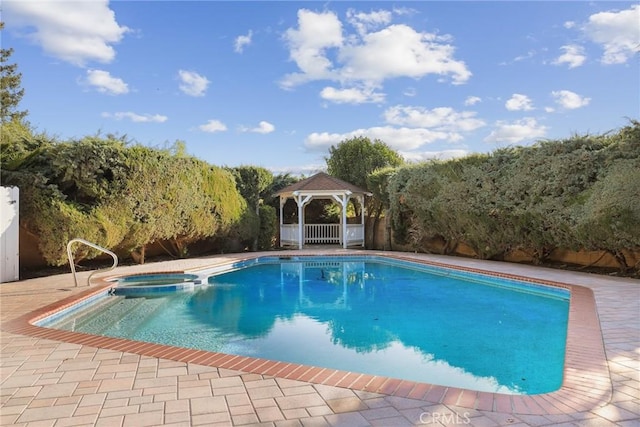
407	129
351	95
569	24
192	83
401	51
442	118
264	127
213	126
472	100
404	11
136	118
410	92
75	32
242	41
105	83
530	54
570	100
316	32
397	138
573	56
299	170
519	102
323	140
518	131
367	58
364	22
617	32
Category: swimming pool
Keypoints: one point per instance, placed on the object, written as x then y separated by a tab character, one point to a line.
361	314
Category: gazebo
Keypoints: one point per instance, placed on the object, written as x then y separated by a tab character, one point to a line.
322	186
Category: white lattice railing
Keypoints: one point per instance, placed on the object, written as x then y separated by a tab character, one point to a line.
322	233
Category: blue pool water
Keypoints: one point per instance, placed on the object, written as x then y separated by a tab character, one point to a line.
368	315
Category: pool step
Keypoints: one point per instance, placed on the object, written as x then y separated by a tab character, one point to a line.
85	315
134	318
102	318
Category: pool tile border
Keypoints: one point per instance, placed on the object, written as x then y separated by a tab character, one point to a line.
586	383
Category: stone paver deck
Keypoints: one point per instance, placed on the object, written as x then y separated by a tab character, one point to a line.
58	378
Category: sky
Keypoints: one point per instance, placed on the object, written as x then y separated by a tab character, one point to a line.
276	84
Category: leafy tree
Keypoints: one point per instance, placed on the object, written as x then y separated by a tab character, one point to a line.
18	144
177	200
611	215
378	184
353	160
88	170
241	235
46	211
252	181
268	227
400	212
10	91
576	193
424	203
121	197
278	182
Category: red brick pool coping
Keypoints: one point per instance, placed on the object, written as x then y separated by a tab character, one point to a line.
586	383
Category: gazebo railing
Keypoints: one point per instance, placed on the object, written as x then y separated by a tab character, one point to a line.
322	233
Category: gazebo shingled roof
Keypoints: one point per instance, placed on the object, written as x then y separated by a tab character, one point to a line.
322	182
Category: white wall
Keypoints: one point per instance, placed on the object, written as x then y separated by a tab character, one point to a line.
9	239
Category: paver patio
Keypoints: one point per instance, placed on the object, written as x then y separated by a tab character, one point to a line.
49	381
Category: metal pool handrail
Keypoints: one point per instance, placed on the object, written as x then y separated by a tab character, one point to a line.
94	246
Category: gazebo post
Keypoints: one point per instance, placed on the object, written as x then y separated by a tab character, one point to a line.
300	225
282	203
301	202
363	210
345	200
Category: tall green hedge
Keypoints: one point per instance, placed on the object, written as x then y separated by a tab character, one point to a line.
121	196
579	193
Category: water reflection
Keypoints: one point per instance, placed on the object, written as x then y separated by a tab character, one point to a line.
365	316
